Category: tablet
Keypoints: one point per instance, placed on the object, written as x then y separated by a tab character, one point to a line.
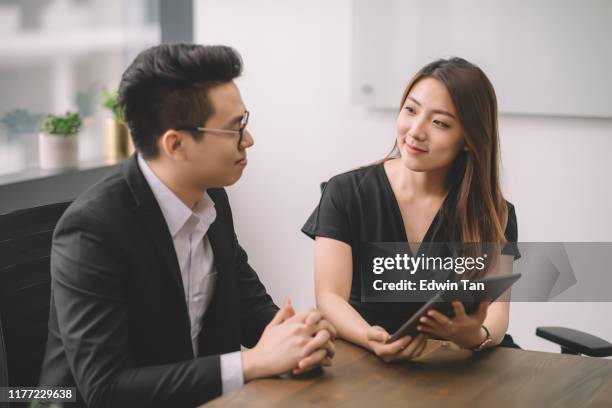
494	287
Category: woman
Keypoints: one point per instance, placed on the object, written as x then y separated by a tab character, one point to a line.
440	183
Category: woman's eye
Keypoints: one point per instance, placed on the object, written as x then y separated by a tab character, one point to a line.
441	124
410	109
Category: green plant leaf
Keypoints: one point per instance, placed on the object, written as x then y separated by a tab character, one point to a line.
109	101
68	124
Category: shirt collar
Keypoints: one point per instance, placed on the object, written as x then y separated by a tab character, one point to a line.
175	212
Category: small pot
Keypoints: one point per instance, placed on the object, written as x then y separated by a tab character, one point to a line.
58	151
117	141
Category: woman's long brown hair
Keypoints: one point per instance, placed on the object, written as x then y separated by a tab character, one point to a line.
479	213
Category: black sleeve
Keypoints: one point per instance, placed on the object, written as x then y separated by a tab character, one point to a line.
90	297
257	307
511	247
331	217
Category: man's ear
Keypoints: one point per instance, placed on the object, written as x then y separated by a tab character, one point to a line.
172	144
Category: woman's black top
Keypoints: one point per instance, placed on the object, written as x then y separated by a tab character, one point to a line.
360	207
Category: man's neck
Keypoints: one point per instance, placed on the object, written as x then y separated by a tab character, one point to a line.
171	179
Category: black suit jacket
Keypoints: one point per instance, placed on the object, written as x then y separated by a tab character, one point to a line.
119	327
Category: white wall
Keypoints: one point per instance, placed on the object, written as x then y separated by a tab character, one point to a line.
557	171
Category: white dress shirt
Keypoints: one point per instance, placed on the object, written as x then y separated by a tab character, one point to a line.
188	229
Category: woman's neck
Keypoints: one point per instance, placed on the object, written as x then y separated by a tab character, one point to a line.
417	184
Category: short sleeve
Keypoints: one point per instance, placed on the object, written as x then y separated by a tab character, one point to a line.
511	233
331	217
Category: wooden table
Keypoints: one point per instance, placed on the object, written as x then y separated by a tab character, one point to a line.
445	378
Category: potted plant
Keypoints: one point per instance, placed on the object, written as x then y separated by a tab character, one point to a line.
58	143
117	140
22	124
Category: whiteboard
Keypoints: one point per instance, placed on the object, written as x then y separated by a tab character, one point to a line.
544	57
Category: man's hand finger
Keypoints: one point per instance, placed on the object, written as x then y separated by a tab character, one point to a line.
317	342
326	325
331	348
314	318
301	316
326	362
284	313
312	360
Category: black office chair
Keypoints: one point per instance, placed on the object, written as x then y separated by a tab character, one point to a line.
25	248
575	341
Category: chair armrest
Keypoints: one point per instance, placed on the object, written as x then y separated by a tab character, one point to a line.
575	341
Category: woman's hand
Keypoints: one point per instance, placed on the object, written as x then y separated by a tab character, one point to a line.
464	330
405	348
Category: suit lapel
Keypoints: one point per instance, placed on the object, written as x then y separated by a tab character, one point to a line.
219	247
159	233
148	211
222	308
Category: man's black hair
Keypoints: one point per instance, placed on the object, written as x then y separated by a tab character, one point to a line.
166	87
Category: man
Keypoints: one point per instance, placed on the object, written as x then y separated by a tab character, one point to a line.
152	294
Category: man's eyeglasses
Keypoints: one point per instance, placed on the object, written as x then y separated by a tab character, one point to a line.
240	132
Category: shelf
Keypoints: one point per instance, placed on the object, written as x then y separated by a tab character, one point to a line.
38	173
34	187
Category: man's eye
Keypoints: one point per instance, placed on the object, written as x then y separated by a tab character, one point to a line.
441	124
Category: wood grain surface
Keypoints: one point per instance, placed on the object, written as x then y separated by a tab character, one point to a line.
446	377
